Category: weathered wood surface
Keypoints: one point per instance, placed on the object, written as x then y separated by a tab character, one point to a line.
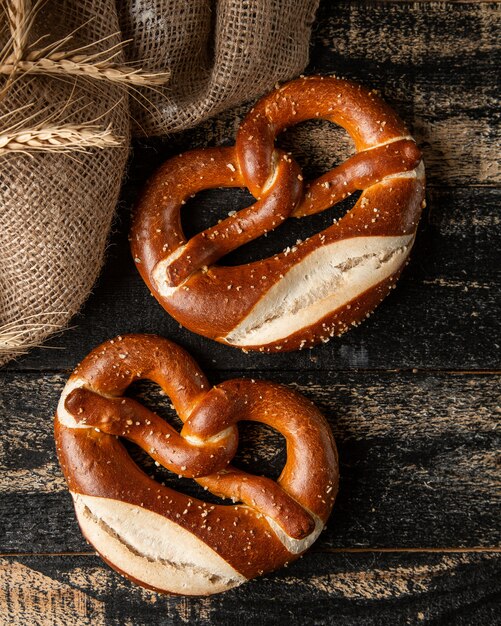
371	589
442	315
417	451
437	63
415	534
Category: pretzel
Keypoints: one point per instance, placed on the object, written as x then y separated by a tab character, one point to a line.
319	287
163	539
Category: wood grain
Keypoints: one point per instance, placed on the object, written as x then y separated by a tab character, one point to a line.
435	62
361	589
415	531
418	456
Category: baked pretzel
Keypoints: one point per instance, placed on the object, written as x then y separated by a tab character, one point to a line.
319	287
166	540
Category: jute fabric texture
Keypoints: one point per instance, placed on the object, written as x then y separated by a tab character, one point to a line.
220	53
57	206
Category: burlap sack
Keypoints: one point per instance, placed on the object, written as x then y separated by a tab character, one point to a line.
56	209
220	53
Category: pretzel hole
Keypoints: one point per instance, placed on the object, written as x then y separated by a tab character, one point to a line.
261	450
211	205
317	145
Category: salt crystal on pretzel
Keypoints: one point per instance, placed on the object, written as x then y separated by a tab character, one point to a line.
318	288
163	539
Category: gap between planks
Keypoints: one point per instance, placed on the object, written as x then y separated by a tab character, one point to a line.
479	549
357	370
425	2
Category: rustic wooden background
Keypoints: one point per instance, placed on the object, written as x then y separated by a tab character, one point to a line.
412	395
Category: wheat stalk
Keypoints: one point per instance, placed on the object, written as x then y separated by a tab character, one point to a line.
20	17
65	138
16	339
80	66
17	12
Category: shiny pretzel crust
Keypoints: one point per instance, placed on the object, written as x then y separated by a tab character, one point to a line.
164	539
338	277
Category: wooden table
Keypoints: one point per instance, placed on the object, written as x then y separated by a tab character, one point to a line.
412	395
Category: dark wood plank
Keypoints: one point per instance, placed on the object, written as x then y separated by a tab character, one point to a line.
435	62
334	589
443	314
418	460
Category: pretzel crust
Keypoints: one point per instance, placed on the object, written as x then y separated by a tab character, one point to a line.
164	539
338	276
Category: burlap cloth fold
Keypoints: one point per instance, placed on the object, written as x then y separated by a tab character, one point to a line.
220	53
56	209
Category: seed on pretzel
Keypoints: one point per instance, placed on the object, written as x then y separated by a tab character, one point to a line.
319	287
161	538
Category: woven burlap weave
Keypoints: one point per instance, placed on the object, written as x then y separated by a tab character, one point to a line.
220	53
56	209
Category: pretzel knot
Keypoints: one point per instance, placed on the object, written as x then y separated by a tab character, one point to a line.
319	287
159	537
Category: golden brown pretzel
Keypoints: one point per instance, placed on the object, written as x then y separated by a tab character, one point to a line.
166	540
324	284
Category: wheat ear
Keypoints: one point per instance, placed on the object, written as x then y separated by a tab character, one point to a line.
80	62
79	66
65	138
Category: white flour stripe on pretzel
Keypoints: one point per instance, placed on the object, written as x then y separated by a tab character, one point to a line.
327	279
137	540
390	141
